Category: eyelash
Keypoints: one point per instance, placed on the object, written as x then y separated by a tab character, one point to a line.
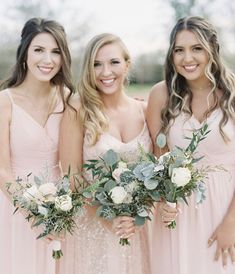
40	50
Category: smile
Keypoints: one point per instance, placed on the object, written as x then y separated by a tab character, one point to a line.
190	68
107	81
45	69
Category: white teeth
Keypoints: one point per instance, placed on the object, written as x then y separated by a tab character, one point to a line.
45	69
108	81
190	67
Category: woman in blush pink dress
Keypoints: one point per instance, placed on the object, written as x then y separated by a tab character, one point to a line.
198	89
107	119
31	107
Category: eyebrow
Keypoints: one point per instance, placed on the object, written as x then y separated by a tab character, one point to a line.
38	46
195	45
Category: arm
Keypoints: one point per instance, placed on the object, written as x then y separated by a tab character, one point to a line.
5	160
224	235
156	103
71	140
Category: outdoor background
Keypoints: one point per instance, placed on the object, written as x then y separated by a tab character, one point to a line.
144	26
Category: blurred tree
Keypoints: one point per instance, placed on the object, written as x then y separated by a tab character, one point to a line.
21	10
148	68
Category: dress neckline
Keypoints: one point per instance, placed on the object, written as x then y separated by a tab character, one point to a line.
132	140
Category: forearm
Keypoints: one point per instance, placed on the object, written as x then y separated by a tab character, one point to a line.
230	215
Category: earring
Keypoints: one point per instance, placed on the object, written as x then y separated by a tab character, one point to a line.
24	65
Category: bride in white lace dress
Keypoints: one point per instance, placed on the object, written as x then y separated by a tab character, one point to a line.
107	119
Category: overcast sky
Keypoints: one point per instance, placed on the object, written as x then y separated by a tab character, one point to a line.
144	25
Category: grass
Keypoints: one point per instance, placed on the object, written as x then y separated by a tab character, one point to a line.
139	90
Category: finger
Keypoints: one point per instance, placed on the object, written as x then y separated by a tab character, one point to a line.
124	218
218	253
232	254
211	240
225	254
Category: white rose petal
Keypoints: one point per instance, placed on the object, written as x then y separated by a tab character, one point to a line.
42	210
48	189
181	176
31	193
63	202
118	194
122	165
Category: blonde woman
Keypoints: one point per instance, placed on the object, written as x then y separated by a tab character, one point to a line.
198	89
101	124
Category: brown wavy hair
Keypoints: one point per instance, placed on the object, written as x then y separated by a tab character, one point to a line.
32	28
180	95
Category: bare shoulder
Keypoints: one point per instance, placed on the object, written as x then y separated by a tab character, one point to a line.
159	92
5	102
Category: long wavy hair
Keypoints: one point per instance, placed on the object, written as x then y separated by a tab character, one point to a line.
92	108
180	95
31	29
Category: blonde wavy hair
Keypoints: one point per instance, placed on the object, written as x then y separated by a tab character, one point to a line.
92	108
180	95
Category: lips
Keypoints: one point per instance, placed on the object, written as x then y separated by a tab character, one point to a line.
190	68
45	70
107	82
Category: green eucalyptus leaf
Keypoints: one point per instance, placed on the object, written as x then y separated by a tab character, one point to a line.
150	184
139	220
110	157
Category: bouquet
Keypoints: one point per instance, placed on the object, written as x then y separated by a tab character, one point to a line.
51	205
174	177
118	192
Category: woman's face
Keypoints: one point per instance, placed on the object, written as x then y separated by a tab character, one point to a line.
43	58
110	69
189	57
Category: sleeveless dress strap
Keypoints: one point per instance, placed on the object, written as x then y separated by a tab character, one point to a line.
10	96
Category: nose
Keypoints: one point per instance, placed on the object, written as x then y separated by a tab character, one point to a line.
47	58
106	71
188	56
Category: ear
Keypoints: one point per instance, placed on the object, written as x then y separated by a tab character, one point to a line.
128	64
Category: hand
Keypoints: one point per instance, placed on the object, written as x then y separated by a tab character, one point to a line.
124	226
224	235
167	212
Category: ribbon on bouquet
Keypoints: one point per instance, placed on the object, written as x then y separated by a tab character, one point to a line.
56	249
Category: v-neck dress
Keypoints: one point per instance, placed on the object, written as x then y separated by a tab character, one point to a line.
184	250
96	250
32	148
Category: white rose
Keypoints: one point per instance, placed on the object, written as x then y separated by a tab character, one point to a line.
122	165
42	210
181	176
119	170
118	194
47	189
132	186
63	202
31	193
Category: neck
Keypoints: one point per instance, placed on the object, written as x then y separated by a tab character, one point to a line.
114	101
200	88
36	90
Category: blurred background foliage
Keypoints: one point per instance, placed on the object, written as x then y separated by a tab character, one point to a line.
147	68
